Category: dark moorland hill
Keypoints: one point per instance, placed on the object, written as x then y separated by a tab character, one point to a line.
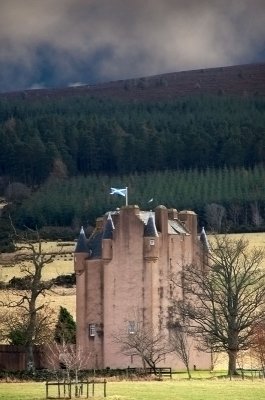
240	80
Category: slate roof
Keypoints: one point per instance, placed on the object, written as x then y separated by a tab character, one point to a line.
108	228
175	227
204	240
150	227
81	245
95	245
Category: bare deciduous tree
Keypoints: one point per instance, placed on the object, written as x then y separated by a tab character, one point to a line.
226	298
32	260
180	341
215	215
256	214
180	335
258	344
14	326
69	357
143	340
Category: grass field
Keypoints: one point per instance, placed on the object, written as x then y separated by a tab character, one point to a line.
255	239
62	264
196	389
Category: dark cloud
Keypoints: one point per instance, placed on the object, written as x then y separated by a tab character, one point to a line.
55	42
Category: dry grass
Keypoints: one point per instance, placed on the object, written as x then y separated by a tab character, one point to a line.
62	297
56	268
63	264
256	240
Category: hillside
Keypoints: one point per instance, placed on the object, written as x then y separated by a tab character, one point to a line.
76	136
240	80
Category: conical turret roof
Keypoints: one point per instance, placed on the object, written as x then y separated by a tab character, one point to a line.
204	240
81	245
150	227
108	228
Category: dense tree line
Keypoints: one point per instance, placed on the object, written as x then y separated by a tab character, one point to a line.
227	199
58	158
84	135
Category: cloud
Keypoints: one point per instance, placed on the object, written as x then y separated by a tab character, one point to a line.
76	84
82	40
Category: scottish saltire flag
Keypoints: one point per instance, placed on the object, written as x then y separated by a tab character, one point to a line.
122	192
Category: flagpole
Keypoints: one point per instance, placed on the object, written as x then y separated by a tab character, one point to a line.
126	196
122	192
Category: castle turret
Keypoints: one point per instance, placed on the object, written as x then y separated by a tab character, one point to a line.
161	219
172	213
151	240
107	250
81	252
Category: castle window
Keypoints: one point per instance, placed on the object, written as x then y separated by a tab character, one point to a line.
131	327
92	329
152	242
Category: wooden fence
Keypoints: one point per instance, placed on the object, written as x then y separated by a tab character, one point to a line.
159	371
83	389
13	358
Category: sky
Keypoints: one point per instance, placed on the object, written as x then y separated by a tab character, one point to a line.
55	43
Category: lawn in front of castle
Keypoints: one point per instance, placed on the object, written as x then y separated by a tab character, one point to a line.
175	389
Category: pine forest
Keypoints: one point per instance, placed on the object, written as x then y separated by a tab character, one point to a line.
59	158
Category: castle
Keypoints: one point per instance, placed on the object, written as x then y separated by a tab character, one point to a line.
122	271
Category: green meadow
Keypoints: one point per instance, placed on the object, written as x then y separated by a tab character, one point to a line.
196	389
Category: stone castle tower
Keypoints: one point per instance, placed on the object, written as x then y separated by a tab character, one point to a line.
123	270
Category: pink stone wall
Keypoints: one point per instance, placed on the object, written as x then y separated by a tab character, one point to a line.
132	285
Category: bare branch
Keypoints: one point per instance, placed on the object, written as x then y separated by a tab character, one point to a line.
227	298
143	340
32	259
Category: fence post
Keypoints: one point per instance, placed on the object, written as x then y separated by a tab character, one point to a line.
70	389
105	391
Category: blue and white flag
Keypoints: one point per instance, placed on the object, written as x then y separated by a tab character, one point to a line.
122	192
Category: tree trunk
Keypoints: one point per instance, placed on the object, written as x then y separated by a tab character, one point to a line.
232	356
30	365
188	371
30	334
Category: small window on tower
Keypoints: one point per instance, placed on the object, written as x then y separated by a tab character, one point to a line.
152	242
131	327
92	329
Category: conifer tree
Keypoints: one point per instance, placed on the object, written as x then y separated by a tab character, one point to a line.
65	329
